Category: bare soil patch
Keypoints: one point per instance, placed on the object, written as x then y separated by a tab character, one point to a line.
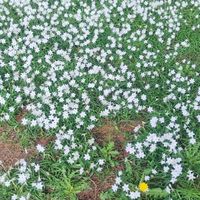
129	125
8	133
44	141
10	149
110	131
21	115
10	153
107	132
97	186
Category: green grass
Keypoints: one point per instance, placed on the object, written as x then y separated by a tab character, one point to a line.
63	180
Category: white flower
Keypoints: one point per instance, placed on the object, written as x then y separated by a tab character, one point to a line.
190	175
167	189
150	109
154	171
114	188
37	167
7	183
2	100
91	141
143	97
118	180
14	197
40	148
81	170
66	150
101	162
38	185
147	178
125	188
130	149
99	169
134	195
86	157
154	121
22	178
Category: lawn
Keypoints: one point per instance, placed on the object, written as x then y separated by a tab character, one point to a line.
99	99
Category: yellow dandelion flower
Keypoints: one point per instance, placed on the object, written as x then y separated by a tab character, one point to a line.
143	187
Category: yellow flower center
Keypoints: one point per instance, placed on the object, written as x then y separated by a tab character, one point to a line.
143	187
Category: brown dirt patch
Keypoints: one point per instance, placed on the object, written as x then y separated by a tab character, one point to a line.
97	187
10	153
8	132
44	141
21	115
10	148
129	125
111	131
107	132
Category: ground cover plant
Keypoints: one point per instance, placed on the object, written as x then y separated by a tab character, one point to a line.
99	100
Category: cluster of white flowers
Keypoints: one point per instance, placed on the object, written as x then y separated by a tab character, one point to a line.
70	63
125	188
24	175
74	150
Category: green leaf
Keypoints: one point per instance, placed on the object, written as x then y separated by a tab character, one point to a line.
157	193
